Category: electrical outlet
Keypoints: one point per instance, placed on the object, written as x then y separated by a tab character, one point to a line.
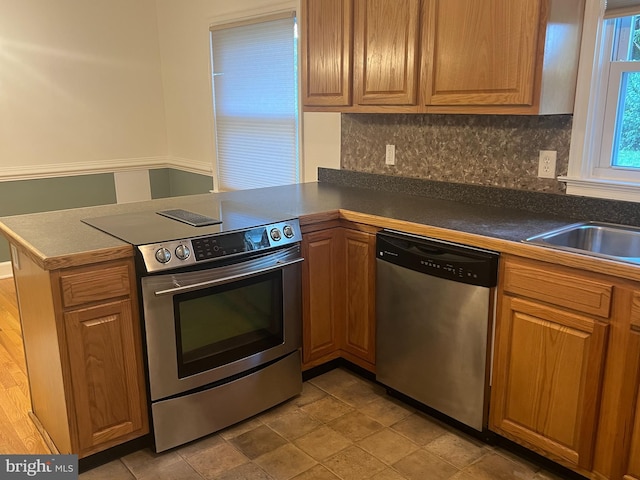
547	164
390	156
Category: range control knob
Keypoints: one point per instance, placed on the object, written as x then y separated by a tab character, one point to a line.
163	255
183	252
275	234
288	231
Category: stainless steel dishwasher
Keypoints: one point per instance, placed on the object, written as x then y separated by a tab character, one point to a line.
434	319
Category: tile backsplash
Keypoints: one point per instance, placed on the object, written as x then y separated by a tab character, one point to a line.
491	150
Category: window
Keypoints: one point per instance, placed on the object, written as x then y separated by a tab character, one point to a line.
254	68
605	145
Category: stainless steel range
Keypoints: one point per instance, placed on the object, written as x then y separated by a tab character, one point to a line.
221	302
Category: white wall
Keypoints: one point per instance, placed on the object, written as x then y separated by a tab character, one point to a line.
184	45
80	85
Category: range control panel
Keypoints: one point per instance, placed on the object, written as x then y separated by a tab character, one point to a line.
190	251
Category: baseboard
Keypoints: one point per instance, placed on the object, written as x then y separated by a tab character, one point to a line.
5	270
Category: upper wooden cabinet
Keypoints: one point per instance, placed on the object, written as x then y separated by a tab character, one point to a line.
500	56
386	52
445	56
326	52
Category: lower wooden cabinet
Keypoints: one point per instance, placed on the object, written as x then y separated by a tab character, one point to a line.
360	291
322	296
339	297
106	384
83	348
549	360
633	360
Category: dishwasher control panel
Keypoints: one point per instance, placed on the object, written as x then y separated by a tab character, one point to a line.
439	258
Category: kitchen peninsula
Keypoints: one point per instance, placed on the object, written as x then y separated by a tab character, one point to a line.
69	274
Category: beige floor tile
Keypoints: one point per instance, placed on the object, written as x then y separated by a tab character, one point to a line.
310	393
216	460
201	445
387	410
388	474
327	408
388	445
423	465
457	449
355	425
240	428
359	393
247	471
179	470
497	467
354	463
419	428
109	471
294	424
322	442
144	461
335	379
285	462
258	441
318	472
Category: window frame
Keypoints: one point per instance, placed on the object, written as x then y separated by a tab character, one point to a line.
590	173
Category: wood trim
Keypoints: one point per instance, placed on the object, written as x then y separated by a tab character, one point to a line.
557	287
91	285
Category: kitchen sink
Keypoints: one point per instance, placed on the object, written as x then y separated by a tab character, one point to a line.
617	242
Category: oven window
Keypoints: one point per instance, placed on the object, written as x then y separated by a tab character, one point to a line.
219	325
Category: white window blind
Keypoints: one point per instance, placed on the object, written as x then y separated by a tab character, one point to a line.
621	8
256	103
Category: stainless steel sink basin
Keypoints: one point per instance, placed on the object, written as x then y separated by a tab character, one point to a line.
617	242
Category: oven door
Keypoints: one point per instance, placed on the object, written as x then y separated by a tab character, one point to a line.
207	326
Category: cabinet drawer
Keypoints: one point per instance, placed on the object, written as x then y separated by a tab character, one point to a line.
557	287
94	285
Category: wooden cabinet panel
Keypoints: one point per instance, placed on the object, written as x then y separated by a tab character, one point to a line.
338	297
326	44
633	457
559	288
104	372
547	379
360	254
480	52
322	296
91	285
386	52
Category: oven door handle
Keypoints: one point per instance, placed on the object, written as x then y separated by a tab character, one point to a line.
219	281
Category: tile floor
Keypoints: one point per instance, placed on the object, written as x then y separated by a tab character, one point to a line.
340	427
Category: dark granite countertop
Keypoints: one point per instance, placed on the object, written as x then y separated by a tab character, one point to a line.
61	233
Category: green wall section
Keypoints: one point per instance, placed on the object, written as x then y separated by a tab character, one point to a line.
47	194
169	182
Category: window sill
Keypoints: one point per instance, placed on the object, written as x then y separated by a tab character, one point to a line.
609	189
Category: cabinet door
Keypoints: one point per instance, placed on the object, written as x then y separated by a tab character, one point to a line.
359	329
322	296
326	43
480	52
104	360
633	465
386	51
546	380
